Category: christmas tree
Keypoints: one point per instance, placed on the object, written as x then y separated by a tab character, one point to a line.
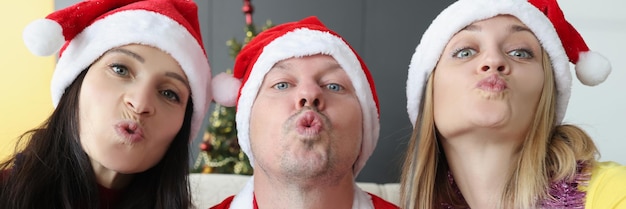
219	150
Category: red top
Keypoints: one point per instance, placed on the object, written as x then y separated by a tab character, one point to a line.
379	203
109	198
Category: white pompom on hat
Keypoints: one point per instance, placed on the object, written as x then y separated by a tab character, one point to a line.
295	39
84	31
543	17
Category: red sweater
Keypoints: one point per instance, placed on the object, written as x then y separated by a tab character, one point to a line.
379	203
109	198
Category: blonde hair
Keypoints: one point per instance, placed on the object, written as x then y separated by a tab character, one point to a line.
549	153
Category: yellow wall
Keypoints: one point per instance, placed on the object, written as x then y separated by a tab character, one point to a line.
25	78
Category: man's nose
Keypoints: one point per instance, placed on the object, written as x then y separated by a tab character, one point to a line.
310	95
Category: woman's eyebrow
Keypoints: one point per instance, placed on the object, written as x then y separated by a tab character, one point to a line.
518	28
129	53
178	77
513	28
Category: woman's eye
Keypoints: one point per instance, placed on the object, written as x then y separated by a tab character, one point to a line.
281	85
521	53
119	69
464	53
334	87
170	95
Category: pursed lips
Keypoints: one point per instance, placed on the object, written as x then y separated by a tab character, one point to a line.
130	130
492	83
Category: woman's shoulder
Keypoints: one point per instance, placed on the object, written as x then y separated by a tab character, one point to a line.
4	174
607	186
608	170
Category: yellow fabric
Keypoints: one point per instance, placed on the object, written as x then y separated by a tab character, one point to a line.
607	187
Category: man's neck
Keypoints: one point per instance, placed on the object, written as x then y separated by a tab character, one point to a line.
310	193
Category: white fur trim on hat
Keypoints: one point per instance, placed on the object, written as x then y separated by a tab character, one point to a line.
147	28
305	42
465	12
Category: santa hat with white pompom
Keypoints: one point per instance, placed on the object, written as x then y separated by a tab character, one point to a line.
306	37
84	31
295	39
544	18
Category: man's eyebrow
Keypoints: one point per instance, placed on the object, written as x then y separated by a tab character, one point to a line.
281	65
334	66
286	66
129	53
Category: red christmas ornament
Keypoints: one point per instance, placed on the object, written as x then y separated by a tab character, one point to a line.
205	146
247	10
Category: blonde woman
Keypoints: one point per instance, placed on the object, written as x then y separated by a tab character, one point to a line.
487	91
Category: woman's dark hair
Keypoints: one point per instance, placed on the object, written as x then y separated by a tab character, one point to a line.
53	171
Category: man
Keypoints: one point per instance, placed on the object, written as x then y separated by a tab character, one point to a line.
307	117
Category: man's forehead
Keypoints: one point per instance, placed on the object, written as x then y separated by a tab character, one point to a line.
325	61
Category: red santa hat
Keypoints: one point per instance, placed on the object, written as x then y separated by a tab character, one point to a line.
85	31
544	18
295	39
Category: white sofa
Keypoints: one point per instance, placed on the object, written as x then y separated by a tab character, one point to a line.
211	189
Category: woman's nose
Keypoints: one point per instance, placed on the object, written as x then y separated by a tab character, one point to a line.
139	100
494	61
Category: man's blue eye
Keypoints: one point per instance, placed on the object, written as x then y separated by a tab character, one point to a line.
281	85
334	87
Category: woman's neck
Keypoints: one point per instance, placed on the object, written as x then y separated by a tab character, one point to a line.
481	166
110	179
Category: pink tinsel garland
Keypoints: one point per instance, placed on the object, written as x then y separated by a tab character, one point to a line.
563	194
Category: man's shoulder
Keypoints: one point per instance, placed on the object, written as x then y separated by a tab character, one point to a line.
224	204
380	203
